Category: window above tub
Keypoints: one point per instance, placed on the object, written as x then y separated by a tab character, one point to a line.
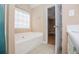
22	19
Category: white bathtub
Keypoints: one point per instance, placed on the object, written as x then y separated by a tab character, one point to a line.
24	42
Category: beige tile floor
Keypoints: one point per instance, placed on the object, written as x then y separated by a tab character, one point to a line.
43	49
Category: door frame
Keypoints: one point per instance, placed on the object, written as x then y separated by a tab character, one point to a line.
6	42
10	29
47	23
46	28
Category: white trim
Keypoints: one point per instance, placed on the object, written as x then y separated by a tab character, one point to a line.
55	33
5	6
26	18
46	28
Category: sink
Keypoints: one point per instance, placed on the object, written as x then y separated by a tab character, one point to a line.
73	33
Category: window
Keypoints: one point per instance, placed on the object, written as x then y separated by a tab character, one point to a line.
22	19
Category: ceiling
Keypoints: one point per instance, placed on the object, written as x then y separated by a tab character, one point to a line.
33	5
26	6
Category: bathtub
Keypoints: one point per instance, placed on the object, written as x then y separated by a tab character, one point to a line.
25	42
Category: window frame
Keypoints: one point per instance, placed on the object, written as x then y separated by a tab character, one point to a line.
25	12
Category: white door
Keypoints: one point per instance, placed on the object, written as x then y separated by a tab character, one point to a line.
58	28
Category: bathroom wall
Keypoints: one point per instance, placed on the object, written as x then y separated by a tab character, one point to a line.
68	20
39	19
10	28
26	8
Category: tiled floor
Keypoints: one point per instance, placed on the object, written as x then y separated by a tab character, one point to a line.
43	49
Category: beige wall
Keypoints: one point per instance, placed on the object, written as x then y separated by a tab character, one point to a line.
38	17
10	28
24	7
68	20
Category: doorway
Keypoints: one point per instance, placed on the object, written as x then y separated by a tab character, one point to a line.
51	24
56	33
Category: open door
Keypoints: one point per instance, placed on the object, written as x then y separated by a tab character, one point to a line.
58	28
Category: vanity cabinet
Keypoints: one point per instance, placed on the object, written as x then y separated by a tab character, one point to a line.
71	48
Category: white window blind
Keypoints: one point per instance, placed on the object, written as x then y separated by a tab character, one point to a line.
22	19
